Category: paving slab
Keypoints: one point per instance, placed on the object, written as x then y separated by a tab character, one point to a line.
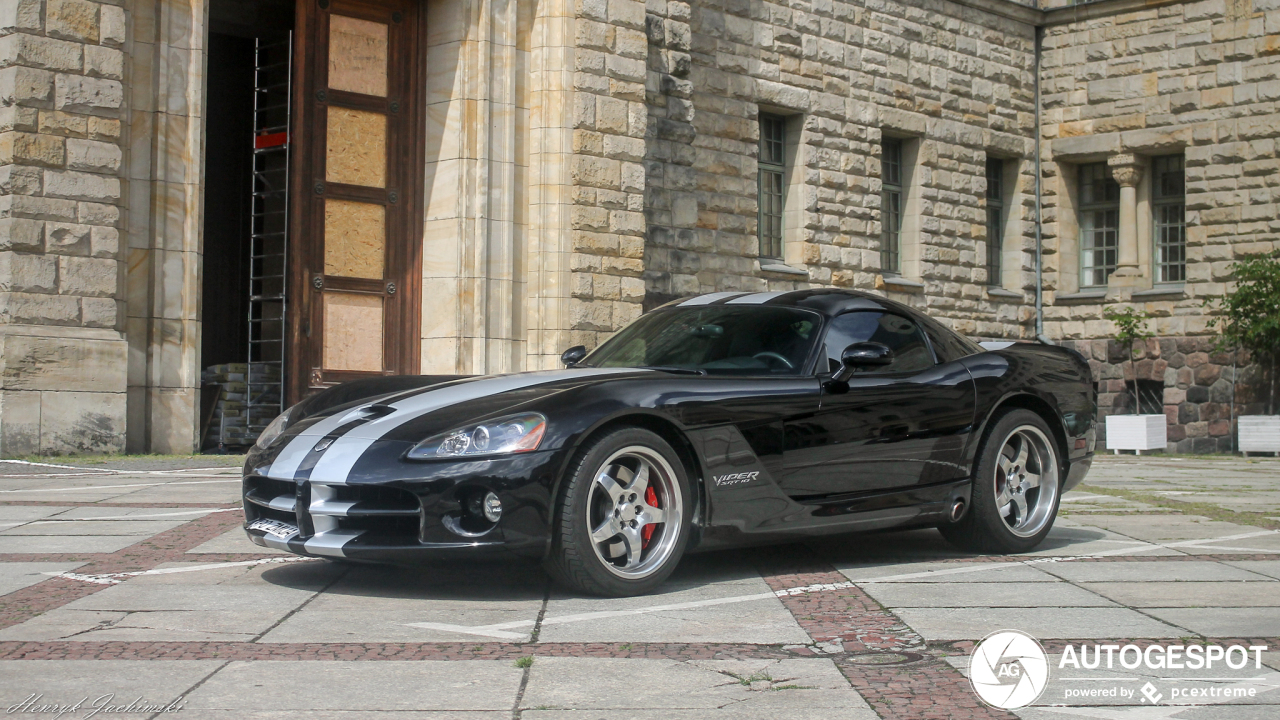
234	541
389	604
1073	537
373	687
69	681
1156	571
12	515
140	528
1222	622
960	594
66	543
1172	527
1190	594
1270	568
977	623
693	609
15	576
925	572
583	684
734	711
230	603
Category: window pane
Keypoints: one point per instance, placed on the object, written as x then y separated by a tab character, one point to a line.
891	231
891	162
995	245
910	351
1169	211
1099	224
995	180
772	189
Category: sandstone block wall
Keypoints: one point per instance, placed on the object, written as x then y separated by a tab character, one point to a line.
958	81
61	100
1197	78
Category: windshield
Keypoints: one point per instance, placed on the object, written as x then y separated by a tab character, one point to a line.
719	339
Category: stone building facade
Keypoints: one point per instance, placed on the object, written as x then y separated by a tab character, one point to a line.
567	164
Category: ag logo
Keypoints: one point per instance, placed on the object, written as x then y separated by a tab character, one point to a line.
1008	669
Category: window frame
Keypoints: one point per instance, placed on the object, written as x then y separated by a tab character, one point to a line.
892	192
995	221
1165	204
771	171
1087	211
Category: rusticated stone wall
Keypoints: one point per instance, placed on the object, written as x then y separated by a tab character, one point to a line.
61	346
954	80
1204	389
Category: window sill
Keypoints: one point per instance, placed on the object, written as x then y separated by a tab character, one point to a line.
1161	292
897	283
775	266
999	292
1084	297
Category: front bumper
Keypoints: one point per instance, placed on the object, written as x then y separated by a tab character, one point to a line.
407	511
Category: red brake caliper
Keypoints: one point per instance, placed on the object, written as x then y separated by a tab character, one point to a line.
651	498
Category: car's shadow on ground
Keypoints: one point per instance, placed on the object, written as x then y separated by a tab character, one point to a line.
524	580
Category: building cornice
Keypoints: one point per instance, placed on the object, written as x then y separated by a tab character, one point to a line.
1061	15
1097	9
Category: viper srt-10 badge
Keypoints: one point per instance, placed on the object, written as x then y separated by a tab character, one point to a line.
735	478
830	410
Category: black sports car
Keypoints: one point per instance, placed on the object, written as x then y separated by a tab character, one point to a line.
726	419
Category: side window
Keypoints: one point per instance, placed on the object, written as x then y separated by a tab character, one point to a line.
947	345
910	350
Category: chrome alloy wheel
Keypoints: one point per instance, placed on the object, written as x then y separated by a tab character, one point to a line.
1026	480
635	512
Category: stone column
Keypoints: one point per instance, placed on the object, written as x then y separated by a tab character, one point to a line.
1127	171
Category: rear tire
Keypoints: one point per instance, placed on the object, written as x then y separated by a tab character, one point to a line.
1017	485
622	516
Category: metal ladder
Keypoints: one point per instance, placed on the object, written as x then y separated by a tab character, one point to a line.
268	241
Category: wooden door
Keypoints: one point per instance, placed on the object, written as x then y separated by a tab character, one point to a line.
356	237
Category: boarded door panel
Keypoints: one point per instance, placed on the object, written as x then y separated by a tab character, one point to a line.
358	231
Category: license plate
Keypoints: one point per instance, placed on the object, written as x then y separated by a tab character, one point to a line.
274	527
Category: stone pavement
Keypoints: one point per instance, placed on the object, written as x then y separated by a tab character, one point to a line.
132	579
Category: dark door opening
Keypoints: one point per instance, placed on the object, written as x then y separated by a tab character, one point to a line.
240	383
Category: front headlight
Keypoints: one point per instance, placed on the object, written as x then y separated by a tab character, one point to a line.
500	436
273	430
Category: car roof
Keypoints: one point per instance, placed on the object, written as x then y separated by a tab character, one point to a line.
828	301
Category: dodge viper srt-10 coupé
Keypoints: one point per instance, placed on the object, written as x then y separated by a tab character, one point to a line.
721	420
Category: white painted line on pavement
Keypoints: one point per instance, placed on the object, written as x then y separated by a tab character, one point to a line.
47	521
116	487
114	578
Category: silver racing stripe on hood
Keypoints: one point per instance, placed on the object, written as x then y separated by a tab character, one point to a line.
288	460
338	459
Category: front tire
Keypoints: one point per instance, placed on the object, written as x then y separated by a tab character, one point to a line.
622	517
1016	488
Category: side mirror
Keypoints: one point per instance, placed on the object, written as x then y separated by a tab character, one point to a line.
574	355
860	356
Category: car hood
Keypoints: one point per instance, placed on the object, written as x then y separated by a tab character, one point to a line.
355	426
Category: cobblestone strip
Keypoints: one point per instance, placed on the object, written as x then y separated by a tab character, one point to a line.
863	638
94	557
1050	559
117	503
168	546
965	647
204	650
